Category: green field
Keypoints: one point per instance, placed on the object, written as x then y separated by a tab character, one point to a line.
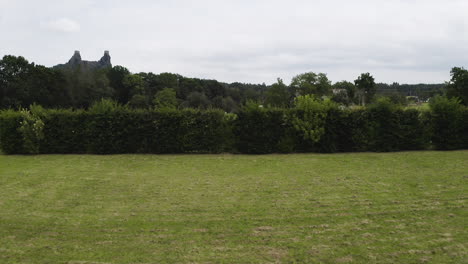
408	207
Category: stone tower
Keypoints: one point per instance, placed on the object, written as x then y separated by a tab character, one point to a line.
76	61
76	58
106	59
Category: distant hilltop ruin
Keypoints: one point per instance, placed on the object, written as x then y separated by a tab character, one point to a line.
76	61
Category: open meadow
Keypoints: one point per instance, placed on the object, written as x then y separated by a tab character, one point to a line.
406	207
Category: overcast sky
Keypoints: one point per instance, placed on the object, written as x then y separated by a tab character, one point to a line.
406	41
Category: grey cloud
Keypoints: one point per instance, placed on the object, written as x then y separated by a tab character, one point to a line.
250	41
65	25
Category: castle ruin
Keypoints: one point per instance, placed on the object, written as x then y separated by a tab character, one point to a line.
76	61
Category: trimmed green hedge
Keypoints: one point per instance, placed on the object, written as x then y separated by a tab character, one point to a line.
11	140
261	130
449	124
122	131
381	127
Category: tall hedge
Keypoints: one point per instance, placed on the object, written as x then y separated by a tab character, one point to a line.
122	131
260	130
11	140
448	122
64	132
111	129
394	129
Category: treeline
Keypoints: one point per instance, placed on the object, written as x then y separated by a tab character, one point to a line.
402	93
310	125
23	83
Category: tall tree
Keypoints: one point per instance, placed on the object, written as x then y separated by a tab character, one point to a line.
13	73
116	77
458	84
197	100
366	88
165	99
311	83
135	84
23	83
278	95
344	92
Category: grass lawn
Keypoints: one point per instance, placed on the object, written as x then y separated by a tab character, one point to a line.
407	207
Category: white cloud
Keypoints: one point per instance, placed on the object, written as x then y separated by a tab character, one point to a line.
64	25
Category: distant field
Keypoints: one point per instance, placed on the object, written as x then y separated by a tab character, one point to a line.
423	106
408	207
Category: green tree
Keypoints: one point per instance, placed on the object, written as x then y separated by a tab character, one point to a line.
344	92
86	85
188	86
311	83
23	83
166	98
116	77
225	103
138	101
311	122
229	105
13	88
134	84
197	100
458	84
278	95
366	88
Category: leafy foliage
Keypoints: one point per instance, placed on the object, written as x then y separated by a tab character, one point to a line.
366	88
165	99
458	85
311	83
32	129
278	95
311	120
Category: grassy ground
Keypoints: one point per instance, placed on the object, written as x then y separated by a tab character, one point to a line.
421	107
405	207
